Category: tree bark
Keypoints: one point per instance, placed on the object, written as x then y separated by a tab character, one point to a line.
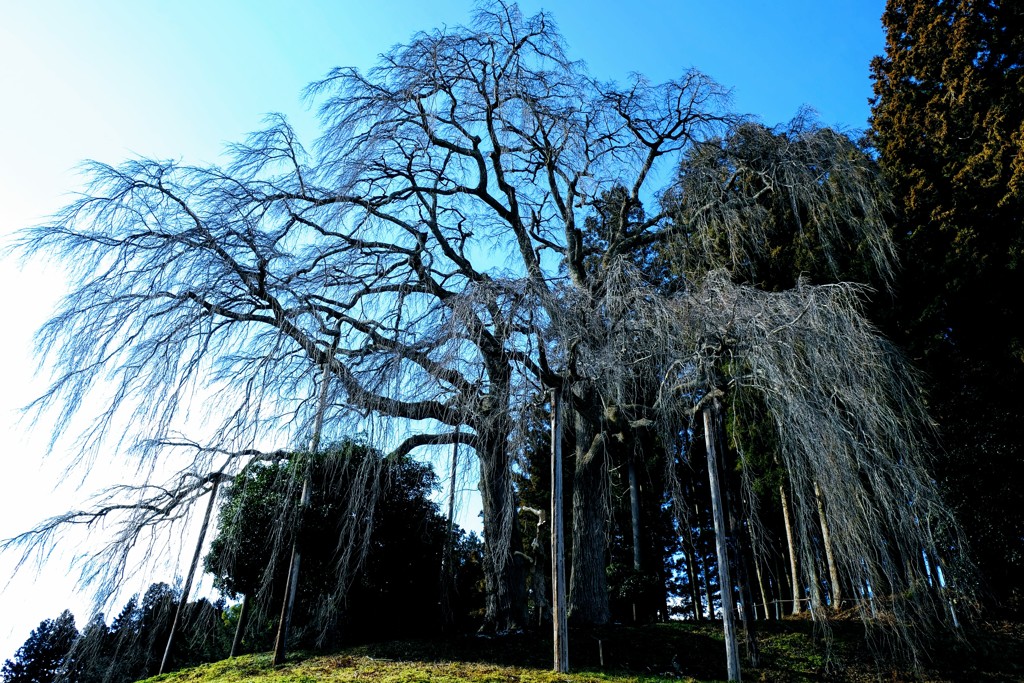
504	575
558	613
691	572
588	581
732	654
634	510
794	577
503	565
826	535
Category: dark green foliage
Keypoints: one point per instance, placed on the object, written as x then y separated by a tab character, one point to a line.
45	654
138	636
133	645
371	542
397	592
773	205
948	124
240	554
128	649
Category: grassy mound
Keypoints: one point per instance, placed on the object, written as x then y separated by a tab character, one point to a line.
791	651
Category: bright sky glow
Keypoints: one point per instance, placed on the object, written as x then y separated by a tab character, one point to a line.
109	80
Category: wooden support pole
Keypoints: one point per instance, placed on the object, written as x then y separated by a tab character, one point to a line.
732	650
291	587
558	608
191	574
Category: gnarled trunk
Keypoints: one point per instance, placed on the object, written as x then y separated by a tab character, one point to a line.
503	570
588	582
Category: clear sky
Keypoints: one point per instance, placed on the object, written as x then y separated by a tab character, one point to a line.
109	80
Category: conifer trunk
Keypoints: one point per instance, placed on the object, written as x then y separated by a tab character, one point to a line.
691	571
794	577
826	536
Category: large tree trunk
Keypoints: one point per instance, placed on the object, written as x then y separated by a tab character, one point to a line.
732	654
503	571
588	582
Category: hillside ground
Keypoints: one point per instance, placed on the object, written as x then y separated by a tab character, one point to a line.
791	651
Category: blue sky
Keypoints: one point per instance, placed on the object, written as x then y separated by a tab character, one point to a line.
108	80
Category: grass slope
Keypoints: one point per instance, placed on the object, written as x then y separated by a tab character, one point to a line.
792	651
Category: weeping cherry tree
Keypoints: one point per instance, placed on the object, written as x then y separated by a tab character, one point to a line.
429	265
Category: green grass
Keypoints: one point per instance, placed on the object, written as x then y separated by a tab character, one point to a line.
343	668
792	651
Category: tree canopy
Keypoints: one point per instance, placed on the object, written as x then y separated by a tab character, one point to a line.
948	124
